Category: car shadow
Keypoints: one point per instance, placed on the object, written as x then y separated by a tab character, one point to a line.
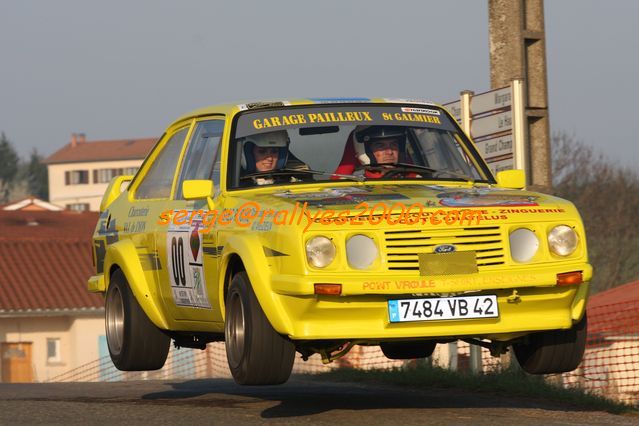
306	397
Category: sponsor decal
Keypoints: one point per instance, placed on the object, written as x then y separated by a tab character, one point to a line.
251	214
409	101
407	116
185	264
421	110
138	212
252	105
484	198
311	118
195	241
99	247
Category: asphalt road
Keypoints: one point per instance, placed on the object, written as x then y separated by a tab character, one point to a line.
298	401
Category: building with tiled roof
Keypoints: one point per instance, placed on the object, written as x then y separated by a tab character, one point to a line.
610	365
49	322
621	294
80	171
616	310
31	203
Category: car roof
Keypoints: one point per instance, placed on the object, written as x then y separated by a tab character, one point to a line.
233	108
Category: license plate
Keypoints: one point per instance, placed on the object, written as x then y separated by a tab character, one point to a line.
443	308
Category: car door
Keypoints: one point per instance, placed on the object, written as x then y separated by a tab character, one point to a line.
151	198
189	283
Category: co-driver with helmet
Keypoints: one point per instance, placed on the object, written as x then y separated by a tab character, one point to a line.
268	152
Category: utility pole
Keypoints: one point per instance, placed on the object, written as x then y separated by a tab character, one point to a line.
518	51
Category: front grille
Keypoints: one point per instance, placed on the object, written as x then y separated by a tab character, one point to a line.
402	246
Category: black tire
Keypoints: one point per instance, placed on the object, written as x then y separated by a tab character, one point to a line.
556	351
256	353
135	343
408	350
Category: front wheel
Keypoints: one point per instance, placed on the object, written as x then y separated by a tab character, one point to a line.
256	353
135	343
556	351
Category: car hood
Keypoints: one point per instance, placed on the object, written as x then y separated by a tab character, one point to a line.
429	195
495	204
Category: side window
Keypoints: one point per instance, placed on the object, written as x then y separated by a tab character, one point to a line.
159	179
201	154
217	167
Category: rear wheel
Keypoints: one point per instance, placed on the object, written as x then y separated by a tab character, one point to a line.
556	351
135	343
408	350
256	353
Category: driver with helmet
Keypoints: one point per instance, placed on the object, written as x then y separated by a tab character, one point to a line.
381	146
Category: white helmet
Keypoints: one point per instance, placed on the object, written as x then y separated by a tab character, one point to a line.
277	139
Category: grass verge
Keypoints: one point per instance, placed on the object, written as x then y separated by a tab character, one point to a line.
512	382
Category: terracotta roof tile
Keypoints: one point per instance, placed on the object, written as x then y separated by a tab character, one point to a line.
45	274
621	294
615	311
47	224
46	266
126	149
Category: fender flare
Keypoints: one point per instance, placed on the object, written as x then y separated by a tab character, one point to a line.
251	252
124	255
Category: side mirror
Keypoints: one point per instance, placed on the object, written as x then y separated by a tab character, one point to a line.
511	179
197	189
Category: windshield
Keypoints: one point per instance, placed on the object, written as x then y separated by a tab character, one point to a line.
299	145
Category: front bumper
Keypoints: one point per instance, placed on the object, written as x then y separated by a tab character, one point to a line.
528	302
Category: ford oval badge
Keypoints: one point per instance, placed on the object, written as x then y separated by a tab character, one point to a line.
445	248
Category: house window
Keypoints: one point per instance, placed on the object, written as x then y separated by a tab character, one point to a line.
78	207
53	350
105	175
131	171
76	177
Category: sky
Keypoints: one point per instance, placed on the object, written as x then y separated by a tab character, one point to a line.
126	69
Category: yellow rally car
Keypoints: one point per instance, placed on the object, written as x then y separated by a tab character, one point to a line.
314	225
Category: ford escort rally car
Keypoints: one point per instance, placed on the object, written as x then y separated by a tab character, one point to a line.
309	226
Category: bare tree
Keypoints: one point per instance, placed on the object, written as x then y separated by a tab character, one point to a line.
607	196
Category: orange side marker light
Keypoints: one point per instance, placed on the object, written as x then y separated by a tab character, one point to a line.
328	289
570	278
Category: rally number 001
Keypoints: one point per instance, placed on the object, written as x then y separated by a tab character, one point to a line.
177	261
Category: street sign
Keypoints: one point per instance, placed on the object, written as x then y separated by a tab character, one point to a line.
491	124
495	147
490	101
494	121
499	165
455	109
